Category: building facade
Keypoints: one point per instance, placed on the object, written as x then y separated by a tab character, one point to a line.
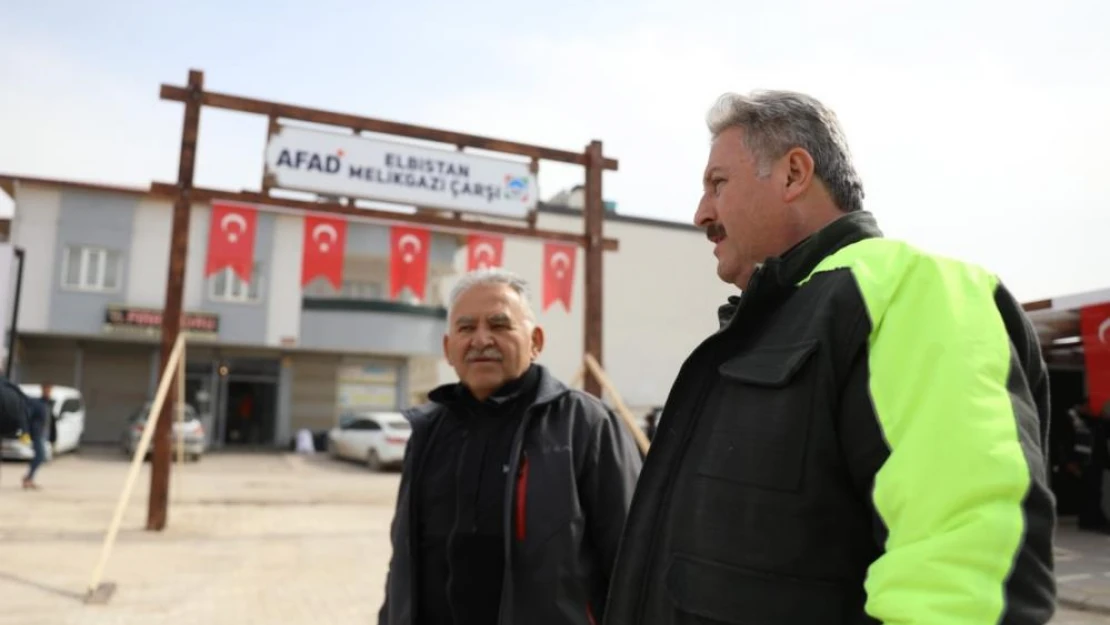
269	357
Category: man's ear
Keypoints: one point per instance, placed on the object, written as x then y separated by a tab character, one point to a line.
446	353
537	341
799	174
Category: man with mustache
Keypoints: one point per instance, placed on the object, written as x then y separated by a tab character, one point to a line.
864	438
514	488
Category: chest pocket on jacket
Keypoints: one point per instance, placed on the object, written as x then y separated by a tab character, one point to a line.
764	405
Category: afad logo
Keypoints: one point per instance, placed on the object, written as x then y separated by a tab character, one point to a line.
516	187
312	161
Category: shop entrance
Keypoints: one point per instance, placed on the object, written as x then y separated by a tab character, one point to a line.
236	400
250	412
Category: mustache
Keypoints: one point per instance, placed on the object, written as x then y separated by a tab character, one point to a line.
714	231
489	353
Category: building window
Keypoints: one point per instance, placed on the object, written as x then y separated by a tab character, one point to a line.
225	285
86	268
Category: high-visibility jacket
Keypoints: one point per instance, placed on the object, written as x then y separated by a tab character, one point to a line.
863	441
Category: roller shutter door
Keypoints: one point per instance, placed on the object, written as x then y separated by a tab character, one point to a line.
47	360
313	396
116	379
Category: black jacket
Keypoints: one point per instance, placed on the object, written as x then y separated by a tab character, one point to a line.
861	442
15	409
572	472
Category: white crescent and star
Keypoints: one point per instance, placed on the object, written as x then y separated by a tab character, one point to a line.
1103	328
554	262
481	250
325	229
412	239
236	218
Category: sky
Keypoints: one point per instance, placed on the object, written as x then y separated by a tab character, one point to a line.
980	128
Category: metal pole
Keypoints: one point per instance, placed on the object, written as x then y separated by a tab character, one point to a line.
171	311
14	329
595	219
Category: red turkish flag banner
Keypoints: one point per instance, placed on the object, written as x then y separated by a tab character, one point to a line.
408	260
483	251
1094	327
558	273
325	240
231	239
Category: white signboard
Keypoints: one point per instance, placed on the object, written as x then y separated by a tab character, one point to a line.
354	166
367	387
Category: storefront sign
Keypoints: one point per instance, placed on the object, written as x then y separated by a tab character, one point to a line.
389	171
149	320
368	386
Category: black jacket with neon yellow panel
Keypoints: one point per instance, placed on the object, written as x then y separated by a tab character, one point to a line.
863	441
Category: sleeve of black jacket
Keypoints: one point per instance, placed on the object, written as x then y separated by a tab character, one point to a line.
945	425
608	479
14	409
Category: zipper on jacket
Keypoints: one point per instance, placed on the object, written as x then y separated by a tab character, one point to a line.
504	612
522	499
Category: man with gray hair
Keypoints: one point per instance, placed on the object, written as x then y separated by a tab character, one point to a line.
514	488
863	440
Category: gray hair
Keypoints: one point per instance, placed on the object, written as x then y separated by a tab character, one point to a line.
775	122
492	276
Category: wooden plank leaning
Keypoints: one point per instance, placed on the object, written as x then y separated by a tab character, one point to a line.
607	385
99	593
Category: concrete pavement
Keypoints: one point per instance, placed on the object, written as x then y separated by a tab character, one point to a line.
1082	568
267	539
252	539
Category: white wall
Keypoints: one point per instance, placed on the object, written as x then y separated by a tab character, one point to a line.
34	228
149	255
193	298
284	314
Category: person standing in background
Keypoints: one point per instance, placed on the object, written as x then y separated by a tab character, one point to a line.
38	412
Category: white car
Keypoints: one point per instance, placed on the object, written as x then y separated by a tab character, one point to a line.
189	430
376	438
64	429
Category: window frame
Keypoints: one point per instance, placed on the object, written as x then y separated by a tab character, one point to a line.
86	252
230	277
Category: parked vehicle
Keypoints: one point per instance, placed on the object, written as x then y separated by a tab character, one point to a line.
64	428
376	438
195	439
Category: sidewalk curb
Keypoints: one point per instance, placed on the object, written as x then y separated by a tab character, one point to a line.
1082	602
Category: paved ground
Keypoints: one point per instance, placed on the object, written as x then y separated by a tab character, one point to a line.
252	539
267	539
1083	567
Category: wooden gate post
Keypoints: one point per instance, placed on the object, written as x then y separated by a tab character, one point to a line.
158	503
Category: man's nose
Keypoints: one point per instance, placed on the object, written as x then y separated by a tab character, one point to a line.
704	215
481	337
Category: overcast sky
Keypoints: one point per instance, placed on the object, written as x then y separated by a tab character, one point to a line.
980	128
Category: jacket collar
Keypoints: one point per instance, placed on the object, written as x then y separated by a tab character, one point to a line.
796	263
548	389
